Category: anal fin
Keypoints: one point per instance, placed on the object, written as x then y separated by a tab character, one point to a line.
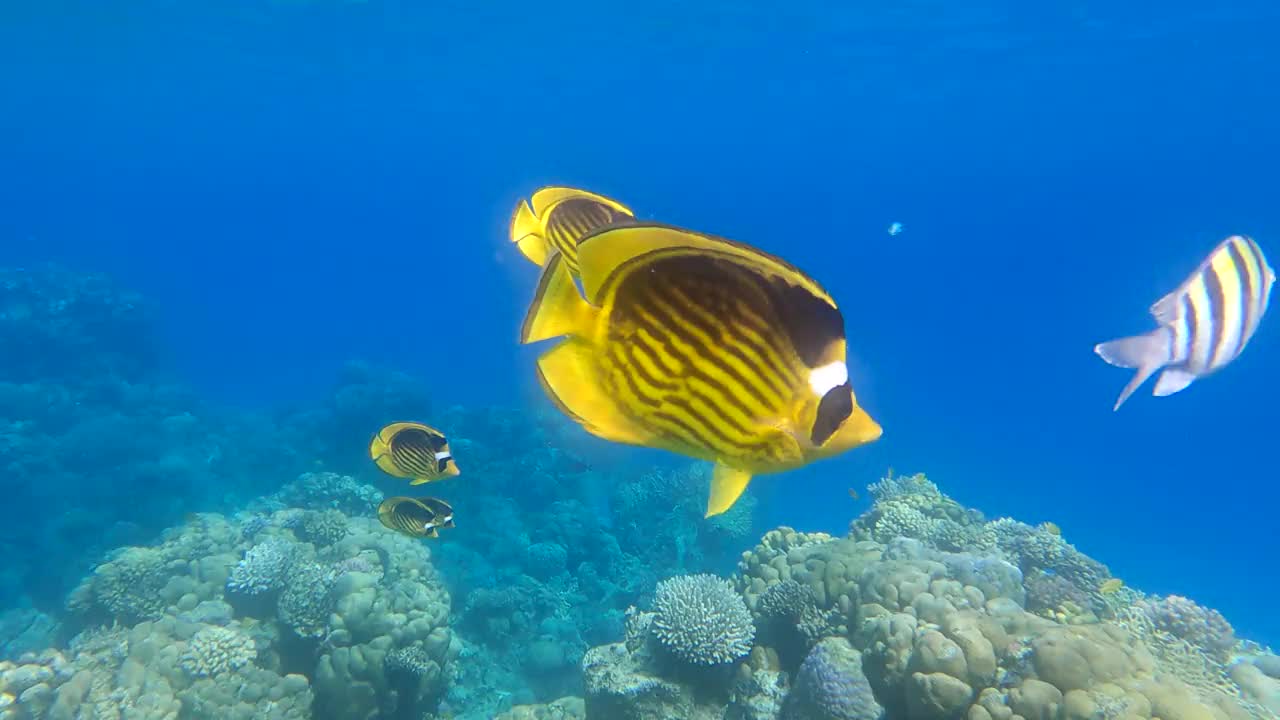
727	485
567	373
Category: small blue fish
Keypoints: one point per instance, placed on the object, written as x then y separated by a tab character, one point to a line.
895	229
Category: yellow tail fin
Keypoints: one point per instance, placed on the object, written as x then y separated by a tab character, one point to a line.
557	308
526	233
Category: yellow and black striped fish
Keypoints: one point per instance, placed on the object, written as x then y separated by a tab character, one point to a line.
556	218
701	346
1204	324
416	517
413	450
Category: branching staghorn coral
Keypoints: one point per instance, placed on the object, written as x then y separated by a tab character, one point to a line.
701	620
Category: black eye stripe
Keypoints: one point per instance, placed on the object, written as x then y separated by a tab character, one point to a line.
834	408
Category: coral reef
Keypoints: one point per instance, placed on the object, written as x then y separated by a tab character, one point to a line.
149	671
626	680
295	609
1183	618
280	622
929	622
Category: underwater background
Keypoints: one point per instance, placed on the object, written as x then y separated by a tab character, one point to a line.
238	237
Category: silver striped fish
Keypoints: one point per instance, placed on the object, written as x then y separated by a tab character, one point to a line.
1204	324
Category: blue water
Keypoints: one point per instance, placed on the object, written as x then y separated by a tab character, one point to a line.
297	183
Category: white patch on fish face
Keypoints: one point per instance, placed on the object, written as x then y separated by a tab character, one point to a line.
828	376
443	455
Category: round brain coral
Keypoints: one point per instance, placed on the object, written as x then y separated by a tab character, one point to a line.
701	620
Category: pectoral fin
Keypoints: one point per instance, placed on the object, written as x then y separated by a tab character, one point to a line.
727	485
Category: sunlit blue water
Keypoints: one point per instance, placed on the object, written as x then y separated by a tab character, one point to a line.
296	183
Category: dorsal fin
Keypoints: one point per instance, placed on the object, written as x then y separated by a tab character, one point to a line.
544	197
602	252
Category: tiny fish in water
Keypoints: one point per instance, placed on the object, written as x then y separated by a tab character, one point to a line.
853	494
895	229
416	517
413	450
1111	586
1204	323
698	345
1051	528
556	218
